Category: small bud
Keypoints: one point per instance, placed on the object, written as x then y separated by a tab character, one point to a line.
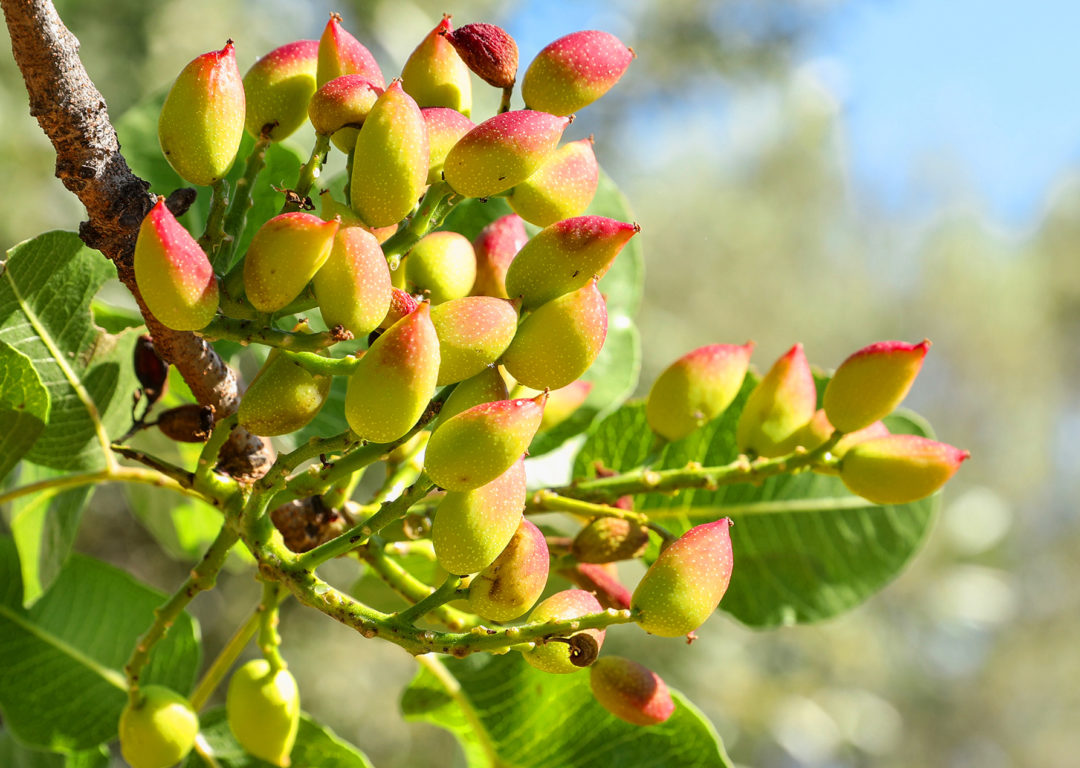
559	341
564	186
443	265
871	383
502	151
496	246
778	407
401	304
574	71
609	539
555	656
353	286
899	469
341	106
602	579
684	585
485	387
563	402
278	88
435	76
565	256
696	388
202	120
284	255
472	527
513	583
630	691
159	730
395	380
187	423
150	369
282	398
487	50
445	128
342	54
473	332
476	446
173	274
263	710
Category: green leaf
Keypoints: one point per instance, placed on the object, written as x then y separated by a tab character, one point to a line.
115	319
15	755
46	286
805	548
24	406
44	526
506	714
473	214
316	745
61	681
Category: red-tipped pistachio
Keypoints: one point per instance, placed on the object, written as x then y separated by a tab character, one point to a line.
401	304
395	380
696	388
473	332
443	265
871	383
608	539
202	120
564	186
283	397
435	75
173	274
485	387
779	407
487	50
263	709
159	730
284	255
684	585
278	88
342	54
899	469
602	579
513	583
341	106
630	691
557	656
390	162
574	71
479	444
559	341
472	527
502	151
496	246
564	257
445	128
353	286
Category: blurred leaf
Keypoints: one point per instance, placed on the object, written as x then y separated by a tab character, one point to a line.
805	548
14	755
506	714
471	215
316	746
62	685
24	406
114	319
46	286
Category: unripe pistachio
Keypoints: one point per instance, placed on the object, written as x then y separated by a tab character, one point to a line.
278	88
190	423
479	444
340	106
443	265
445	128
263	709
150	369
559	341
485	387
435	75
512	584
574	71
390	161
395	380
609	539
502	151
472	527
554	656
899	469
630	691
496	246
562	402
564	257
284	255
818	430
684	585
353	286
487	50
871	383
282	398
696	388
173	274
401	304
342	54
778	407
601	579
202	120
159	730
564	185
473	332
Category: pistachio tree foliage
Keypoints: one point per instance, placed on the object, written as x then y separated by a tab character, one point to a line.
461	298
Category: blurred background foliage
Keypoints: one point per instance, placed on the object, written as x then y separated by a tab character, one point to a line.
734	150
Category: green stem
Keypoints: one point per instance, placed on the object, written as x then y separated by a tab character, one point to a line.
309	172
325	366
208	457
550	501
252	332
117	474
236	218
224	661
409	587
437	203
269	639
447	591
179	474
214	236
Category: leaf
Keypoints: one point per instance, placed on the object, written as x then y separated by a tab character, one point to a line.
316	746
24	406
61	681
46	286
15	755
805	548
506	714
44	526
